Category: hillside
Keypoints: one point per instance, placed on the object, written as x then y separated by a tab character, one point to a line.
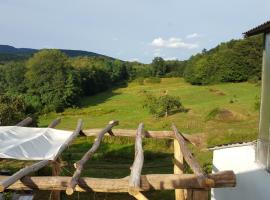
233	61
8	53
236	122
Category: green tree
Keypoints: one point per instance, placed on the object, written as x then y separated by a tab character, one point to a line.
159	67
162	105
14	77
13	109
51	80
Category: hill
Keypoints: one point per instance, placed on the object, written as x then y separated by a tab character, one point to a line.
232	61
10	53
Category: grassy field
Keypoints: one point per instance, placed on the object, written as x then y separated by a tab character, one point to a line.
238	123
125	104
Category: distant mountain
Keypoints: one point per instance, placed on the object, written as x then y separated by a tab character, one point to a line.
8	52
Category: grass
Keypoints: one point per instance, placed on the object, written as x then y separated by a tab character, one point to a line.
115	155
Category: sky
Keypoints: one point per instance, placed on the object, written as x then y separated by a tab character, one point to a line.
132	30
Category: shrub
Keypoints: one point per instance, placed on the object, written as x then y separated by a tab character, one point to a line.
13	109
162	105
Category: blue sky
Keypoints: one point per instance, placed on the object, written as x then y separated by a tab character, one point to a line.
129	29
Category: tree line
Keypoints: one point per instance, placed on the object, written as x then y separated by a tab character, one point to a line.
51	81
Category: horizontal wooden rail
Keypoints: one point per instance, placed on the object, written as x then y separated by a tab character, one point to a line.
194	139
80	164
191	161
148	182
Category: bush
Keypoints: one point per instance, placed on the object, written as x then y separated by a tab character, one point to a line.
162	105
13	109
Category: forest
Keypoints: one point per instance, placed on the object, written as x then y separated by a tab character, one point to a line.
50	80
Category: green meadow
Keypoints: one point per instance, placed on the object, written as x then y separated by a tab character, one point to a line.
125	104
218	114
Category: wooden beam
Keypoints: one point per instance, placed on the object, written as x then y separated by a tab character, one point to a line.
35	167
54	123
26	122
56	165
192	162
21	173
148	182
71	138
193	139
178	168
136	168
88	155
197	194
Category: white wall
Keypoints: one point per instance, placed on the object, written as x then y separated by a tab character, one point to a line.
252	180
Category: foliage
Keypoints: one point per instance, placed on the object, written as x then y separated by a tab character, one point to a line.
98	74
137	70
233	61
158	66
12	78
162	105
13	109
51	80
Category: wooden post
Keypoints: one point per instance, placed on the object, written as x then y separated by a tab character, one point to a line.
178	168
136	168
203	180
196	194
56	165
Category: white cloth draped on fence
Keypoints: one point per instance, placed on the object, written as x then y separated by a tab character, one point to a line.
24	143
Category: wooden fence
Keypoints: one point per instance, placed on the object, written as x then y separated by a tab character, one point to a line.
187	186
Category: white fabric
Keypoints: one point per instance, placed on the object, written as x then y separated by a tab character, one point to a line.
24	143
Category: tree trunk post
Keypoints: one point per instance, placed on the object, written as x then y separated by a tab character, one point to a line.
197	194
178	168
56	170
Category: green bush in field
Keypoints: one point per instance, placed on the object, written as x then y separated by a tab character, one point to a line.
162	105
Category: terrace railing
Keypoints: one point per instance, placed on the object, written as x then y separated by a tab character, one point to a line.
187	186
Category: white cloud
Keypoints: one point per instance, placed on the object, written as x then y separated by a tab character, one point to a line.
173	43
193	35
